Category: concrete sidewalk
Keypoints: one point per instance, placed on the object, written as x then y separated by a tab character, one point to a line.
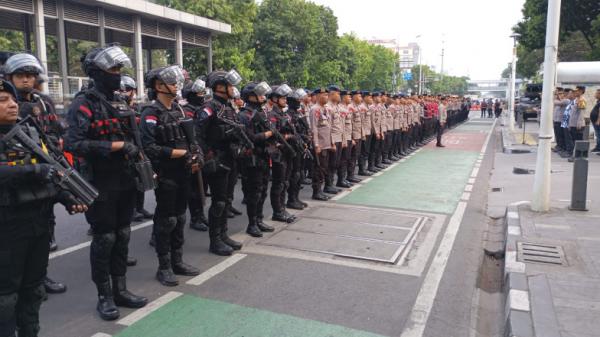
552	260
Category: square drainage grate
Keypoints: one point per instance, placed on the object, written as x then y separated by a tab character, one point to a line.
532	252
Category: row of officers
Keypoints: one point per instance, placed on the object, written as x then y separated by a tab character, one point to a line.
109	151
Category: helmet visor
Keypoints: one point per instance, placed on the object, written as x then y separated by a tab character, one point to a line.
262	89
26	62
298	94
233	77
127	83
236	93
198	86
283	90
112	57
172	75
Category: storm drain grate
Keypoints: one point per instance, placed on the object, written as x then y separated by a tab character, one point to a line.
541	253
497	189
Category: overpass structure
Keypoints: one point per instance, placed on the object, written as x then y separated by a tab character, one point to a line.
491	88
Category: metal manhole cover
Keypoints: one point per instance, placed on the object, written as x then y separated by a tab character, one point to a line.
541	253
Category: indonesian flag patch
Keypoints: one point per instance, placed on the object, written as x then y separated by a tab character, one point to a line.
151	119
208	111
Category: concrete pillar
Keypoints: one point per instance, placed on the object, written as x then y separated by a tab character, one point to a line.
101	30
178	46
61	36
40	37
209	65
139	57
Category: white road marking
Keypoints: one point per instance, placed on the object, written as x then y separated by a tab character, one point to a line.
514	230
424	303
101	334
468	188
471	180
512	265
465	196
415	327
88	243
149	308
215	270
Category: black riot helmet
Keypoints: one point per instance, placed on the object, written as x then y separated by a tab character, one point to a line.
282	90
99	64
295	98
23	63
220	77
191	90
127	83
172	75
257	90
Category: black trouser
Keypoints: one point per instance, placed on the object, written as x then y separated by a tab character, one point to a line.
365	150
403	142
139	200
334	162
389	144
280	182
319	171
195	201
217	217
440	132
559	136
575	135
172	196
255	181
569	143
296	175
342	170
397	143
110	219
354	154
231	182
23	264
483	112
374	151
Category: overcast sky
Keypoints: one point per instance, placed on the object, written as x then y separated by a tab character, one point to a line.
475	32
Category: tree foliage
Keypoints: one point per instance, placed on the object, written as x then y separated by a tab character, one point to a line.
579	33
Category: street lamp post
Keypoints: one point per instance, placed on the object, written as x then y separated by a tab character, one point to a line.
420	67
541	183
511	117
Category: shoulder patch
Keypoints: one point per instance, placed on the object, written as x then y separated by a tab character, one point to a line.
150	119
86	111
208	111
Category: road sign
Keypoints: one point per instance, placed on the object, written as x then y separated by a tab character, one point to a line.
407	76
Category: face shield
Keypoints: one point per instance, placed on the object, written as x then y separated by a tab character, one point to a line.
26	62
236	93
127	83
198	86
233	77
262	89
283	90
111	57
298	94
172	75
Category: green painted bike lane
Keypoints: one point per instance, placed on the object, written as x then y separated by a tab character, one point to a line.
191	316
432	180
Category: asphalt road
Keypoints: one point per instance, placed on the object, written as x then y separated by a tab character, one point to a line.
432	289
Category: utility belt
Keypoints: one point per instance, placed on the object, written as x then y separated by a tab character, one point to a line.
170	133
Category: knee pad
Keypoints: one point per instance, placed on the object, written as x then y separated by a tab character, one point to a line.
8	305
181	219
124	233
218	207
105	240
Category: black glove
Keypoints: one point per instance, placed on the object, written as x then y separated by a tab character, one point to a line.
68	200
44	172
130	150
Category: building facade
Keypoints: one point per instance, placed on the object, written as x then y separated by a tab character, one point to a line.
408	56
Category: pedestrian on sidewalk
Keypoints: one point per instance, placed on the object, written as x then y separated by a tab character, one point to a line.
483	108
596	122
560	104
441	123
577	120
564	125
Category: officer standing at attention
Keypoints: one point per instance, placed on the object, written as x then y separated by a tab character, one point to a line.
170	142
254	165
128	93
28	195
301	140
441	122
98	133
321	131
356	135
342	172
23	70
194	92
367	127
281	156
220	132
337	137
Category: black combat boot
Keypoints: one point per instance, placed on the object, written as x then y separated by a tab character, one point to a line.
53	245
227	240
217	246
319	195
234	210
199	223
165	274
294	203
281	217
53	287
106	305
123	297
181	268
253	229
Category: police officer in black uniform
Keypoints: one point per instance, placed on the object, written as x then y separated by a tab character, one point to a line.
281	156
128	93
220	134
23	70
255	164
101	134
301	140
194	93
27	197
170	142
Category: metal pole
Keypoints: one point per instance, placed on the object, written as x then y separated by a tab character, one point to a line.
40	38
541	185
513	79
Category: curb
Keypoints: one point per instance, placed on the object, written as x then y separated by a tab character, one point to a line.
517	308
507	144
